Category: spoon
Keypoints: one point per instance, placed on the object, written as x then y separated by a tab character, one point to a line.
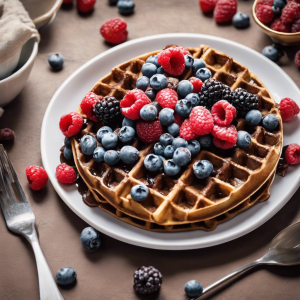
284	251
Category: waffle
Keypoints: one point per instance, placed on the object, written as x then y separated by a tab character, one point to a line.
240	178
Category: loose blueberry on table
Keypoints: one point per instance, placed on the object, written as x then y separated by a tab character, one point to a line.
66	276
90	238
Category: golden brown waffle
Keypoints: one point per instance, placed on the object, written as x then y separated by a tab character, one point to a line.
240	178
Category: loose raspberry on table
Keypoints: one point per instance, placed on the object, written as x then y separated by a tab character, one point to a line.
207	6
223	112
149	132
201	120
292	154
288	109
70	124
178	120
197	84
172	60
37	177
85	6
264	13
277	25
133	102
167	98
225	10
265	2
290	13
222	144
114	31
88	103
296	26
186	131
6	135
65	174
226	133
297	59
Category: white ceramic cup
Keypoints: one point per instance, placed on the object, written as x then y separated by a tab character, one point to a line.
8	66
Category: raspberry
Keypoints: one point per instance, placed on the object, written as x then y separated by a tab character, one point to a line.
183	50
6	134
67	1
172	60
292	154
223	112
114	31
295	26
207	6
70	124
37	177
201	120
133	102
288	109
167	98
222	144
226	133
149	132
85	6
186	131
264	13
225	10
290	13
265	2
277	25
197	84
297	59
87	105
177	120
65	174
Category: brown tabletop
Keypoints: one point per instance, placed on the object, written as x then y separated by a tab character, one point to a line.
107	273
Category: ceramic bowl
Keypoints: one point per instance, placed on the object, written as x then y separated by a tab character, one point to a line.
11	86
8	67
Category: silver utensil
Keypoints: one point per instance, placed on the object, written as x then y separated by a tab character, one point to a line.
284	250
20	219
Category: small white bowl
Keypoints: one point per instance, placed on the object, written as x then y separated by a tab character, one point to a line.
11	86
7	67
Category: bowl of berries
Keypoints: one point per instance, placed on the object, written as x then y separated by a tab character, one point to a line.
279	19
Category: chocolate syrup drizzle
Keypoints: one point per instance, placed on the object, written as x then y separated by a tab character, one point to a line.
282	164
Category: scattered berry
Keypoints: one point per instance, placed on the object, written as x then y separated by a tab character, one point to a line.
193	147
149	132
241	20
173	129
169	152
166	139
111	157
153	162
186	131
37	177
98	154
184	88
108	110
197	84
223	112
125	7
166	116
126	134
277	25
167	98
193	288
90	238
207	6
201	121
226	133
70	124
292	154
203	74
295	27
225	10
198	64
139	192
172	60
194	98
103	130
290	13
149	70
87	105
264	13
66	275
270	122
147	280
297	59
179	142
142	83
288	109
222	144
85	6
68	154
202	168
153	60
183	108
65	174
253	117
159	149
6	135
170	168
182	156
109	141
206	141
88	144
148	112
129	155
243	139
114	31
158	82
56	61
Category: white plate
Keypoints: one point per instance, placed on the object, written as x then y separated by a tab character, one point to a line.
69	95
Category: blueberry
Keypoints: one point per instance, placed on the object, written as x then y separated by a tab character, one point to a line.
110	140
142	83
161	70
276	10
68	154
129	154
203	74
170	168
270	122
188	60
159	149
279	3
166	139
194	147
271	52
206	141
103	130
253	117
166	116
139	192
111	157
193	288
184	88
198	64
151	94
179	142
66	275
162	158
98	154
88	144
56	61
126	134
169	151
113	2
194	98
241	20
183	108
153	60
202	168
158	82
149	70
127	122
67	142
173	129
152	162
182	156
156	104
148	112
125	7
90	238
244	139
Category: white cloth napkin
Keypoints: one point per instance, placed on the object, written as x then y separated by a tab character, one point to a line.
16	28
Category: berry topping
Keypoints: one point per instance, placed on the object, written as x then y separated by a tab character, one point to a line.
168	152
182	156
103	130
170	168
226	133
292	154
153	60
270	122
66	276
167	98
90	238
149	70
68	154
159	149
139	192
201	121
109	141
85	6
297	59
178	120
186	131
148	112
197	84
264	13
207	6
149	132
296	26
173	129
194	98
194	147
223	112
129	155
70	124
198	64
98	154
65	174
188	61
288	109
56	61
111	157
277	25
87	105
184	107
179	142
166	116
203	74
7	135
244	139
142	83
183	50
172	60
202	168
158	82
88	144
166	139
129	122
265	2
108	110
193	288
37	177
225	10
253	117
133	102
153	162
205	141
290	12
126	134
222	144
114	31
184	88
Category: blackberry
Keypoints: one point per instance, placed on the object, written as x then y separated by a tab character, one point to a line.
108	110
147	280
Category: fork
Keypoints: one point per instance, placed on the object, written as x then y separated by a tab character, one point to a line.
20	219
